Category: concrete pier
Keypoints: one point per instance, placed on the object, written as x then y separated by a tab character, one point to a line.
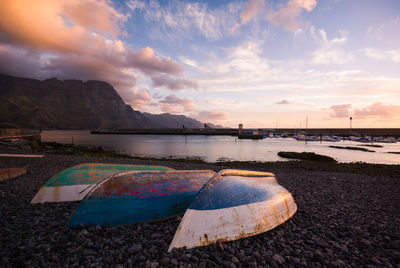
385	132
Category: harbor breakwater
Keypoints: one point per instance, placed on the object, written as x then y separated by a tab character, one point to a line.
385	132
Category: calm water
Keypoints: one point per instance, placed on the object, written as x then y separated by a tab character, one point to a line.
211	148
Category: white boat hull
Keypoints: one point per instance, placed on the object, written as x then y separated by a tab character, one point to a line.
205	227
66	193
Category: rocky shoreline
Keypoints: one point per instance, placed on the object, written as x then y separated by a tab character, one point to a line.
344	219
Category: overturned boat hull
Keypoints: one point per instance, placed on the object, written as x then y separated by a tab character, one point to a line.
9	173
72	184
139	196
234	204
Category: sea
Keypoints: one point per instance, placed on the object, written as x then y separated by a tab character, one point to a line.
217	148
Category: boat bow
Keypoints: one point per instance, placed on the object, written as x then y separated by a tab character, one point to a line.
234	204
73	183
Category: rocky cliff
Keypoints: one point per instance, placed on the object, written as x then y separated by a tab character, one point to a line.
74	104
68	104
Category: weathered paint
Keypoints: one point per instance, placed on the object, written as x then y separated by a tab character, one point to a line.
88	173
234	204
72	184
139	196
9	173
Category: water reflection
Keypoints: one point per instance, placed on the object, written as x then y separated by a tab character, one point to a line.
211	148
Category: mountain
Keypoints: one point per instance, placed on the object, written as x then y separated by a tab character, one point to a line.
74	104
68	104
167	120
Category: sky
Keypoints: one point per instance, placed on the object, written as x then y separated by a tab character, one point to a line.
262	63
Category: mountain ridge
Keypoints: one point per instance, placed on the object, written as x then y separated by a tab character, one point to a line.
74	104
167	120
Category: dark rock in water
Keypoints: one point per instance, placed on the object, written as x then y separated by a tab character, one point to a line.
306	156
351	148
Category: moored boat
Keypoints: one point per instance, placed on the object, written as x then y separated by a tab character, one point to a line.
72	184
302	137
234	204
365	139
331	138
385	140
139	196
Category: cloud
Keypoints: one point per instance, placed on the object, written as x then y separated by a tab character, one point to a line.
72	39
382	35
340	111
171	109
207	116
136	98
101	17
88	67
20	62
147	62
135	4
189	62
173	104
178	19
383	55
250	11
330	51
288	17
244	59
172	83
378	110
283	102
58	26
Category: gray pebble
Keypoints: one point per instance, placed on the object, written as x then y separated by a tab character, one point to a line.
343	222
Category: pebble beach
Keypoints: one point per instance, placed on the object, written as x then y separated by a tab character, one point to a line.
344	219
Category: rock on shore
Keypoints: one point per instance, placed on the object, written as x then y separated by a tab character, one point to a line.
343	220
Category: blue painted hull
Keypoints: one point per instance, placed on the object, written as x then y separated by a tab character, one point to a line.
126	210
139	197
